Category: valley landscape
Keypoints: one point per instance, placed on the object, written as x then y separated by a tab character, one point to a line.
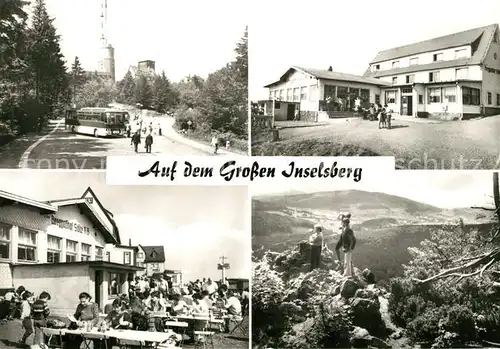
385	225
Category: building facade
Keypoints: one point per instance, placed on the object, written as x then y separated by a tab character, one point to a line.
451	77
63	247
151	258
316	95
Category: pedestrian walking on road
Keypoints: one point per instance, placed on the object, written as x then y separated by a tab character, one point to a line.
149	142
136	140
129	129
215	144
159	129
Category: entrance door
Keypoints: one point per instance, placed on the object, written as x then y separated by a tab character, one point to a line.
290	112
407	105
97	291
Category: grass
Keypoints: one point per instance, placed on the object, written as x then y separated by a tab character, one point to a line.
309	147
11	332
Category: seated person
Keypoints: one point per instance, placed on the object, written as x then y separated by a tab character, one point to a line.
119	317
146	299
200	307
205	297
157	304
179	307
233	306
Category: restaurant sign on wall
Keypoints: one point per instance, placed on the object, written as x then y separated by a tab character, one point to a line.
65	224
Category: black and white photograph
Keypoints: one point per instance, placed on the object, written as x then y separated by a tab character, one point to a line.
408	260
87	265
379	79
97	78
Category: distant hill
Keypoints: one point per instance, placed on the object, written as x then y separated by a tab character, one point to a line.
385	225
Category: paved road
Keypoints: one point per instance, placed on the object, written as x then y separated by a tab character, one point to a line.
59	149
473	144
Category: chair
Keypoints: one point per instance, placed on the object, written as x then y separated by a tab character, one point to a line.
177	324
51	334
238	322
205	339
95	338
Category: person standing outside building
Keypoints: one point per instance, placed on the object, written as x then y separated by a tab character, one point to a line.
347	242
163	286
136	140
149	142
215	143
316	242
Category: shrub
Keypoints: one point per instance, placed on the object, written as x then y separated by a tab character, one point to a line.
460	320
425	327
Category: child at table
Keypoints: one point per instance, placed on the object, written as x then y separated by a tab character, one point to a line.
119	317
40	312
27	323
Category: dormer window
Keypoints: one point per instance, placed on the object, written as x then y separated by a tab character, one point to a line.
395	64
437	57
462	53
376	67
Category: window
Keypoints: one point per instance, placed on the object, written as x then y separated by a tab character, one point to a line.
470	96
296	94
462	53
414	61
140	255
394	79
434	76
407	91
313	93
282	95
276	94
489	98
494	55
155	267
26	250
289	95
437	57
434	95
461	73
365	95
53	249
390	96
108	256
329	92
115	283
277	105
420	99
410	79
71	251
498	98
395	64
85	252
99	253
377	99
303	93
270	94
450	94
126	258
5	241
377	67
342	92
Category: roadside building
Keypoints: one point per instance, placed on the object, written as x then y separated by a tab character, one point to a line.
63	247
452	77
455	76
151	258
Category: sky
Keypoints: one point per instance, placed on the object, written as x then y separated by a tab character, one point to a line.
195	224
446	189
184	37
347	35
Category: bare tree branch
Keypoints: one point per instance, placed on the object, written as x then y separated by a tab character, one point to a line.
492	209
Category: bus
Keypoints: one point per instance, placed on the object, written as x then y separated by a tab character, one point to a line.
99	122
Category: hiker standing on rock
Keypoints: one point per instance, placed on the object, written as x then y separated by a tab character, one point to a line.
347	242
316	242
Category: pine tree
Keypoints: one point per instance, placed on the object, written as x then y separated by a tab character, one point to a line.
51	83
164	97
126	89
143	93
77	78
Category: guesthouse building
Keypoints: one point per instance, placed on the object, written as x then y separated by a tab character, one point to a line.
64	247
151	258
452	77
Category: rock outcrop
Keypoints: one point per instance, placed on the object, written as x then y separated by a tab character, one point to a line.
325	289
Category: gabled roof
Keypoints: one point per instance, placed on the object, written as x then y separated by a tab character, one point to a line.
9	198
110	236
329	75
153	254
443	42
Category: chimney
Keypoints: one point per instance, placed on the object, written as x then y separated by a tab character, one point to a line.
330	68
130	242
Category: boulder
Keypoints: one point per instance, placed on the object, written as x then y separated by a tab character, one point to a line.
365	313
349	288
366	294
361	338
368	276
